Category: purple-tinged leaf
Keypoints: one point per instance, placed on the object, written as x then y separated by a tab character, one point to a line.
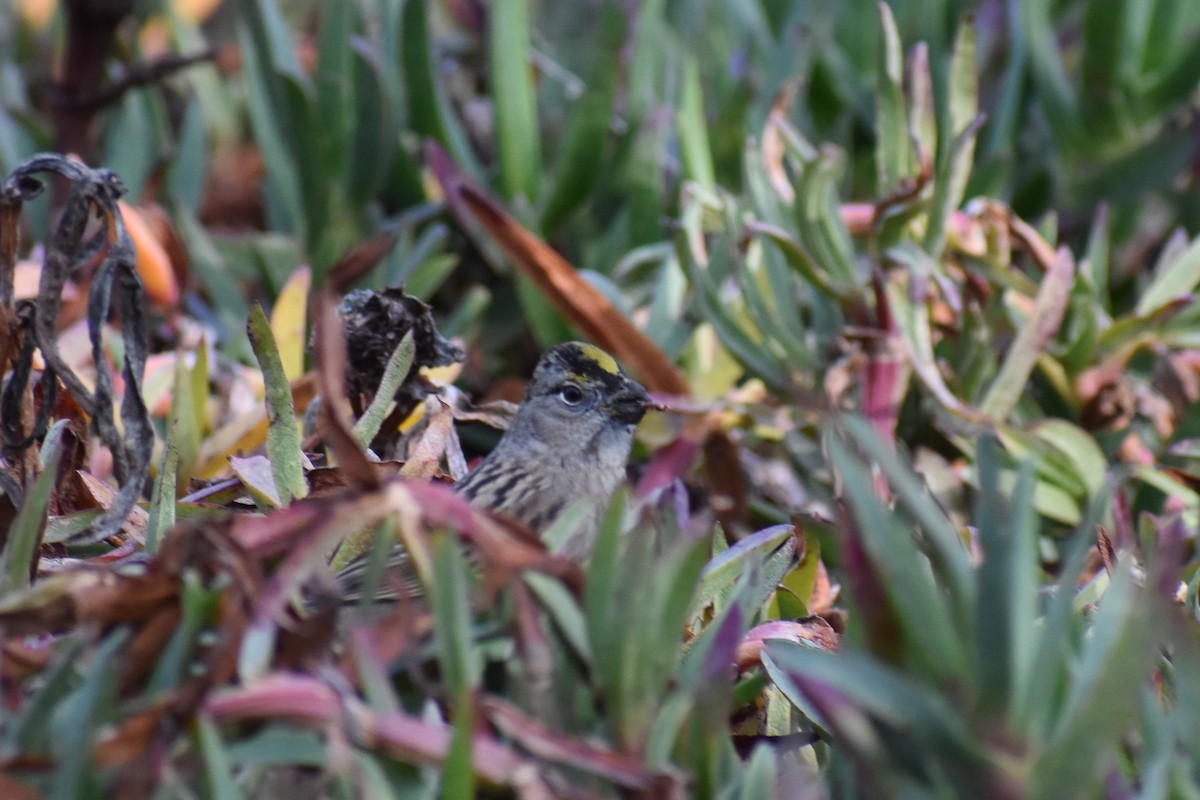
669	463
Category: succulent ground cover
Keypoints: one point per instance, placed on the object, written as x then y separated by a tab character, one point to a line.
914	282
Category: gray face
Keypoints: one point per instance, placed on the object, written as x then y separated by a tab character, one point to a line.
564	434
580	406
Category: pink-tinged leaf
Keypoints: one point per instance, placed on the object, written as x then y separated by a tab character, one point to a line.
283	531
625	771
507	548
117	555
835	709
859	218
312	702
408	738
886	378
317	522
308	541
674	499
279	696
376	642
668	464
814	631
1041	250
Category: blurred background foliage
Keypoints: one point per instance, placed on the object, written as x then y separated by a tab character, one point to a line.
970	226
1088	104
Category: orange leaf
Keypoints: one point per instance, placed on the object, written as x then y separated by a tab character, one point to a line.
195	11
37	15
153	263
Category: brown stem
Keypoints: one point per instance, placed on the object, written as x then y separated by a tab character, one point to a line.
140	75
91	27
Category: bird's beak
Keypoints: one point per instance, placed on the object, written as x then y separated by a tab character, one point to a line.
629	405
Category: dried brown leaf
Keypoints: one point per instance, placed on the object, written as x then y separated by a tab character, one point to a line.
20	659
1106	396
774	148
726	480
328	480
427	452
359	260
101	495
129	740
233	197
335	419
563	286
12	789
1108	553
824	593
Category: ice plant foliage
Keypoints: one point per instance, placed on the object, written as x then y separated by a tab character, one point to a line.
918	518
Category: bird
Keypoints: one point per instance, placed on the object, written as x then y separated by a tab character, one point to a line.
568	444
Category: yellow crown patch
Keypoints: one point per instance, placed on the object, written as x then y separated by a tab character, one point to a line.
600	358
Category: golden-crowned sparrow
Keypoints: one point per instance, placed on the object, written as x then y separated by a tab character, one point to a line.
568	443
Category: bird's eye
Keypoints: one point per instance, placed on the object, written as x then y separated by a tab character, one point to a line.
571	394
